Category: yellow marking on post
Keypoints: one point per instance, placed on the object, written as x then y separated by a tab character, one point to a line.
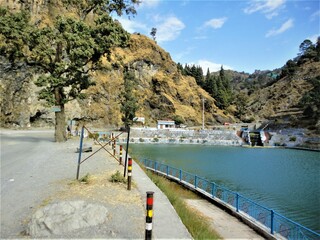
129	168
149	213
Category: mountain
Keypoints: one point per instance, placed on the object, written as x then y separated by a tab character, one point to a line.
280	100
162	92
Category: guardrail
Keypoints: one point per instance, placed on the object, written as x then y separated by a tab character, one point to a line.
264	218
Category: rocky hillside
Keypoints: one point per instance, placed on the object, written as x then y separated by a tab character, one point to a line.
161	91
282	97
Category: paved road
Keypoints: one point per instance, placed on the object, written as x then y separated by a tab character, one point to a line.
31	164
22	165
32	167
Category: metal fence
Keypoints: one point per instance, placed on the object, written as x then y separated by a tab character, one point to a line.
264	218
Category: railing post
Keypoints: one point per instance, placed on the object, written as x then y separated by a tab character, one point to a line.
149	207
237	202
129	173
167	170
155	166
114	146
272	222
195	181
212	189
180	175
80	151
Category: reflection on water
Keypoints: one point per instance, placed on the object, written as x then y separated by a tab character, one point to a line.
284	180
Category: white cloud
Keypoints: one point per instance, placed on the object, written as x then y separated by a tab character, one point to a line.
169	29
215	22
201	37
284	27
214	67
268	7
149	3
313	38
132	26
315	15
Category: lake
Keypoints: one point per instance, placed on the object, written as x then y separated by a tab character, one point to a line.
285	180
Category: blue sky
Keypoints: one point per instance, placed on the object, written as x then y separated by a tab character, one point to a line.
240	35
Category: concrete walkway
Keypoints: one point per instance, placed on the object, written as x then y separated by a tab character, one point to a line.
166	222
168	225
223	223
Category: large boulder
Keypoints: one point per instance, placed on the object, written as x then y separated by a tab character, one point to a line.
64	217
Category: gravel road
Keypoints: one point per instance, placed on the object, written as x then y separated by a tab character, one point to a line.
36	171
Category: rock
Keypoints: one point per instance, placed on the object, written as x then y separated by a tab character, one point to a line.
64	217
85	148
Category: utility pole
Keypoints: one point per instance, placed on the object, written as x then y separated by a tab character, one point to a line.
202	113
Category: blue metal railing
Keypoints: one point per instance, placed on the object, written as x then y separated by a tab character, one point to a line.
273	222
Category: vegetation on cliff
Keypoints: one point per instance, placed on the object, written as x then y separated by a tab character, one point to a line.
65	55
65	52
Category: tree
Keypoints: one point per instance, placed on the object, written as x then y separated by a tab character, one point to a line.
289	69
318	49
180	68
305	46
67	52
224	92
241	103
311	101
210	84
153	33
14	31
84	7
307	51
129	104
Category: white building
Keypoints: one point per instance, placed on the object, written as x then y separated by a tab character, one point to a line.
139	120
165	124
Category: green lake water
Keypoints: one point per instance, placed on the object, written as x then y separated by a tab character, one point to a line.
285	180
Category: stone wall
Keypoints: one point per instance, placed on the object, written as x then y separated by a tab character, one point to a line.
181	136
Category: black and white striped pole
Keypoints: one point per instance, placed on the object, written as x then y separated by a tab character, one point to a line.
120	153
149	207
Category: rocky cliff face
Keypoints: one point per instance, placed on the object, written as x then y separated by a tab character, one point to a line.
162	92
19	103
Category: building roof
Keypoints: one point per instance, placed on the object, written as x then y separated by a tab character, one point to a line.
166	122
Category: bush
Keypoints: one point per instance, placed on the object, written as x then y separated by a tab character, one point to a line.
141	140
117	178
293	139
94	136
85	179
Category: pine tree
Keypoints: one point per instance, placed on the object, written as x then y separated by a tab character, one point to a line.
129	104
180	68
223	93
